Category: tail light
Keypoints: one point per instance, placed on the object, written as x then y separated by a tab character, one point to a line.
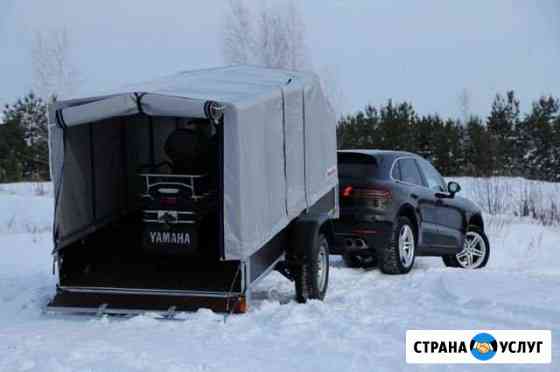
347	192
373	197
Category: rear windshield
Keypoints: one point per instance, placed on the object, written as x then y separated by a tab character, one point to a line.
352	165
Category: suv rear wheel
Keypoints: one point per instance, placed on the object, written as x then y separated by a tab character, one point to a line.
398	256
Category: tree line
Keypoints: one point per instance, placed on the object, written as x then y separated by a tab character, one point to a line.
506	143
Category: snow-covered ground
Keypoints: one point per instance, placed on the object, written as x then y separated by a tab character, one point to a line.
514	196
361	325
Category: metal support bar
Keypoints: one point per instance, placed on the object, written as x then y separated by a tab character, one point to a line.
170	314
101	310
162	292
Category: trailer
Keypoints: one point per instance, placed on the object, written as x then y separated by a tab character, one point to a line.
184	192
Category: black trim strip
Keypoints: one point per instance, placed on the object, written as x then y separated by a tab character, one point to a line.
60	119
284	149
221	189
93	181
305	151
124	154
152	150
207	109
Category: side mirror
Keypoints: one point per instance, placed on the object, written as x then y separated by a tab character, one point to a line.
453	188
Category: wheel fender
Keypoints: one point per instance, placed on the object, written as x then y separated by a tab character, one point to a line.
304	234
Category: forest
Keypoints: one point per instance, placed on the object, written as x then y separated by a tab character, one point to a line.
506	143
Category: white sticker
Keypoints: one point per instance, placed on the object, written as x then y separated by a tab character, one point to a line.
478	346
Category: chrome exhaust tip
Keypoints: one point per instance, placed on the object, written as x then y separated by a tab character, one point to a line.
360	243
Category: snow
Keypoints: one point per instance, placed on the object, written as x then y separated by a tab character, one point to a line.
506	195
361	325
25	208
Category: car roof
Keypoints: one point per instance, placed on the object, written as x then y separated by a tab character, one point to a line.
380	153
384	159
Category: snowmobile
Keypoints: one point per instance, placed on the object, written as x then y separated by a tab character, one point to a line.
184	192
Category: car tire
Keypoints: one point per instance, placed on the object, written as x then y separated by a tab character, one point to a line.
398	256
312	276
478	262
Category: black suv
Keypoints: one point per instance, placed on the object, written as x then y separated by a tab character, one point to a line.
395	206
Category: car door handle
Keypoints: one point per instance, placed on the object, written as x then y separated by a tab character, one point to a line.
414	196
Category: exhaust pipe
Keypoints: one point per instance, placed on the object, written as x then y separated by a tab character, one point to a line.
360	243
355	244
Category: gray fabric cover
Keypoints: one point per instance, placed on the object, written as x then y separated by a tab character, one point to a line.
279	149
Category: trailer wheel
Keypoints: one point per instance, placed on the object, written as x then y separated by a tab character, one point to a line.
312	276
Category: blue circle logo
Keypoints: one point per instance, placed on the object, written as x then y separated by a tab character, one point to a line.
483	346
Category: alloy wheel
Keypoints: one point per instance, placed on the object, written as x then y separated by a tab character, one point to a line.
474	251
406	246
322	263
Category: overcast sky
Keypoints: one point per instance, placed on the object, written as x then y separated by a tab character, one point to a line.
424	51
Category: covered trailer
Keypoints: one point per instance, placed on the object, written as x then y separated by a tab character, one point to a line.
136	231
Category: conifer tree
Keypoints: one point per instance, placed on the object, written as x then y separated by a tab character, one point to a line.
501	123
24	145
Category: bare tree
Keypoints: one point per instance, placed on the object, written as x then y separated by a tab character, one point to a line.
54	74
272	37
331	87
282	37
465	104
239	42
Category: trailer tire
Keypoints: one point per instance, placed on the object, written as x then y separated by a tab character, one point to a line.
312	276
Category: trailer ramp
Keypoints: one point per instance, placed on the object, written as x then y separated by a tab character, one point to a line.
101	301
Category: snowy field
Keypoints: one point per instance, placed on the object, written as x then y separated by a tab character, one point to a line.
360	327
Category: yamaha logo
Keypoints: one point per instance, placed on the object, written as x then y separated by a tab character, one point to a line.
170	238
